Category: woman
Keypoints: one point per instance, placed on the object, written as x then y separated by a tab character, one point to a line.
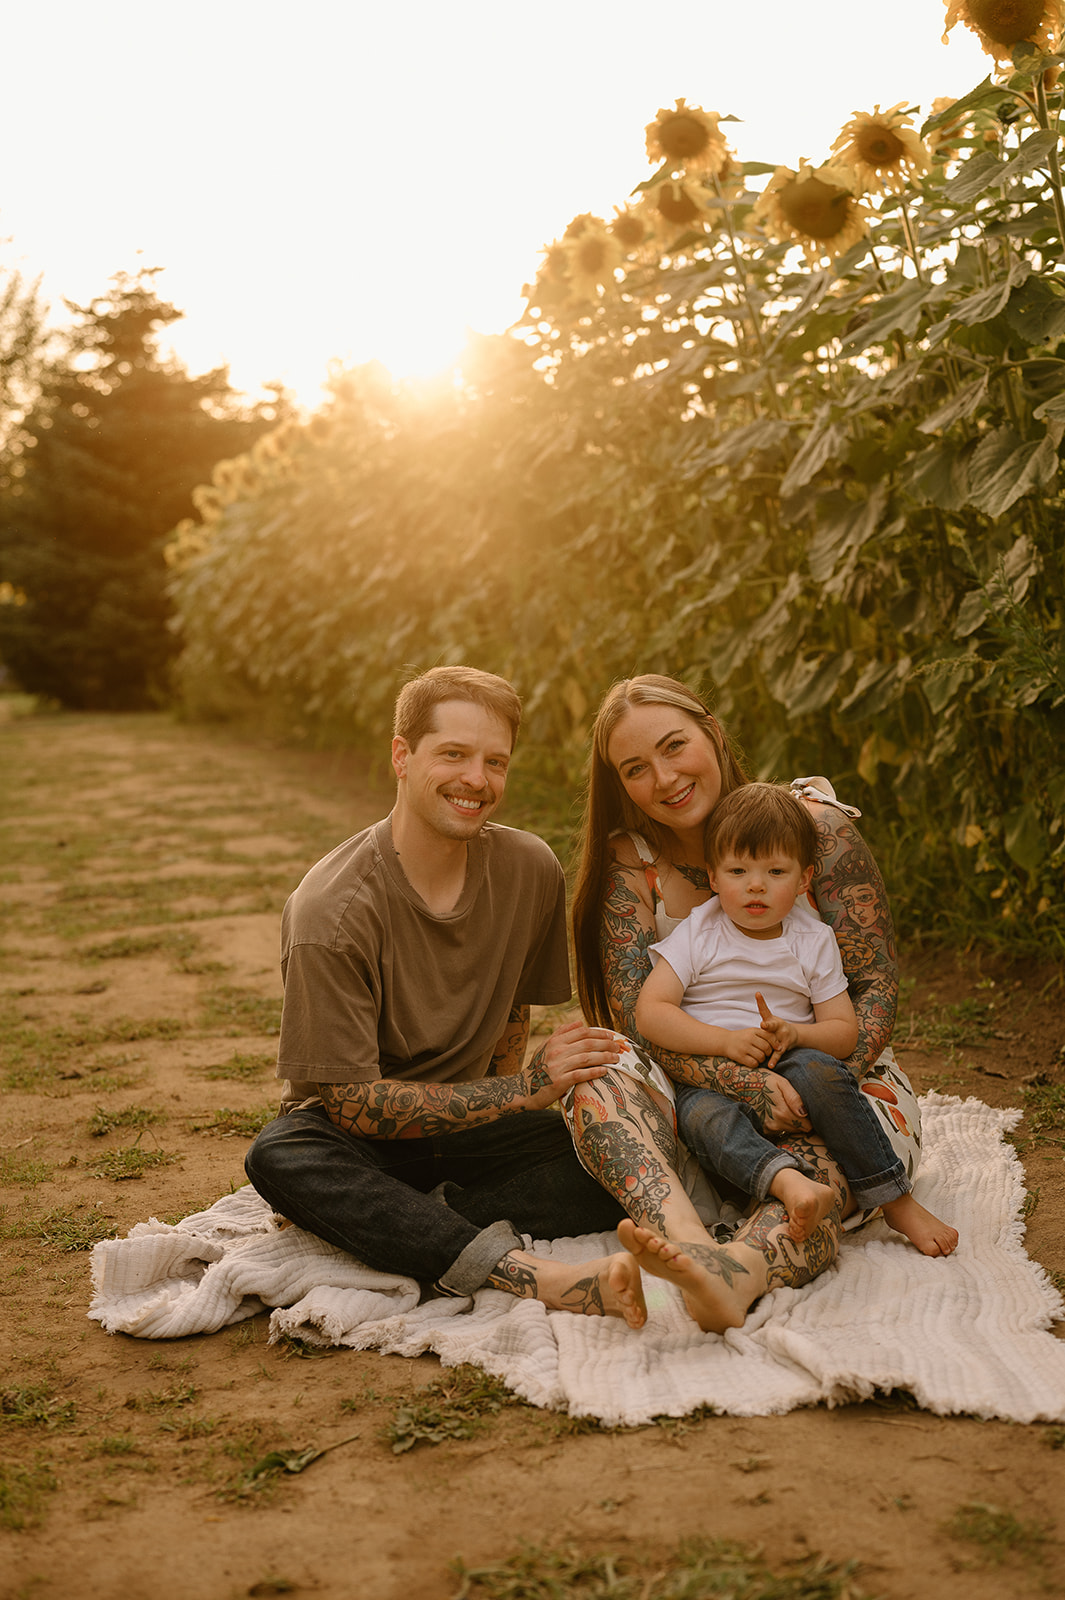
660	761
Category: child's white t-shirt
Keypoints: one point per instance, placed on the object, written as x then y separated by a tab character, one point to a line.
721	968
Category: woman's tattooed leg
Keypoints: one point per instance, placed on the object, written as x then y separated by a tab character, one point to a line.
627	1143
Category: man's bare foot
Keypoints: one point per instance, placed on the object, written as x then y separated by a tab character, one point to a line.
713	1279
608	1287
806	1201
932	1237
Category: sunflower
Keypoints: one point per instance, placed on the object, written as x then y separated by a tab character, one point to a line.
631	229
591	258
675	205
882	148
817	207
1000	24
687	137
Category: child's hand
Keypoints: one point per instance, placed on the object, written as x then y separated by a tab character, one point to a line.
782	1034
748	1047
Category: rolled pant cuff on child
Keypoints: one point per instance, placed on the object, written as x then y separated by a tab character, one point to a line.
469	1270
880	1189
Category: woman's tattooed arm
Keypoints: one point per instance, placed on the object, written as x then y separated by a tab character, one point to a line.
851	898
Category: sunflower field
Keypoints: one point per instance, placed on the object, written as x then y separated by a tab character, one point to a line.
791	435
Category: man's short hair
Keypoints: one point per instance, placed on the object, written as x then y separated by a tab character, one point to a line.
418	700
761	819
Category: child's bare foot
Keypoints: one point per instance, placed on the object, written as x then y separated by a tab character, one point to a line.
714	1282
932	1237
806	1201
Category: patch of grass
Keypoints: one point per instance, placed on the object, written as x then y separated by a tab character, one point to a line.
36	1407
963	1025
997	1532
125	946
122	1444
23	1170
241	1067
162	1399
131	1162
70	1232
1044	1111
230	1124
104	1121
454	1406
1054	1438
22	1491
697	1570
33	1058
236	1011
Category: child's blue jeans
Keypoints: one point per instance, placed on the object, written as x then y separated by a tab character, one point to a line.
725	1137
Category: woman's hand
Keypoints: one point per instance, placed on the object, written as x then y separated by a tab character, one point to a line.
575	1053
786	1112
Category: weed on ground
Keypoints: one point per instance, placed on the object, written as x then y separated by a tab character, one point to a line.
696	1570
997	1533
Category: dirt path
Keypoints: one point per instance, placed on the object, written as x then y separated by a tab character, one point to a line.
142	869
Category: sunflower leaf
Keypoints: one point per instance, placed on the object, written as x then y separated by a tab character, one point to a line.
978	174
985	94
1033	152
960	405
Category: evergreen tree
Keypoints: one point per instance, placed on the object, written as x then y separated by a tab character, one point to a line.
100	471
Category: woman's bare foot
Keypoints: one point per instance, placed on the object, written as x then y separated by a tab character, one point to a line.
932	1237
806	1201
715	1282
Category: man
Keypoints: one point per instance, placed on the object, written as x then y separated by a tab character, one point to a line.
411	1135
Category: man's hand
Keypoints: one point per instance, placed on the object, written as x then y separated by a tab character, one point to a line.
575	1053
782	1034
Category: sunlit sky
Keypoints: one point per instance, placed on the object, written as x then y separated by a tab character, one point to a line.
362	179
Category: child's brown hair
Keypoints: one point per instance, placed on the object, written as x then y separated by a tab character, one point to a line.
758	820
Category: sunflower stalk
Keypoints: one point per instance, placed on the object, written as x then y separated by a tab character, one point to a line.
911	241
1043	115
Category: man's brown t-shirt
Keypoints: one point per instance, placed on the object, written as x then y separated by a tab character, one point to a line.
378	986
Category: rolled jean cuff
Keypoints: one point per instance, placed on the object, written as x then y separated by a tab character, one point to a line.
880	1189
769	1169
471	1266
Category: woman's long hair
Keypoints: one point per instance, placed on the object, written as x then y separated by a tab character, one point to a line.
608	808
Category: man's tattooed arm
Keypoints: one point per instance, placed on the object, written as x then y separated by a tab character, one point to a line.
626	936
852	899
509	1053
388	1109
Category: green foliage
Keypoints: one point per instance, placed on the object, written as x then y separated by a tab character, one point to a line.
100	469
454	1406
241	1124
833	492
22	1491
131	1162
997	1532
701	1569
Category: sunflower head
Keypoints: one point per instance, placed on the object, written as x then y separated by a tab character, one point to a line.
882	148
1001	24
675	206
631	229
591	258
816	207
687	137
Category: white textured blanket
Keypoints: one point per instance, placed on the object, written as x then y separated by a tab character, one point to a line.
966	1334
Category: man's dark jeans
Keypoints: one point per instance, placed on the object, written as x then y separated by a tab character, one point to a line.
375	1197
